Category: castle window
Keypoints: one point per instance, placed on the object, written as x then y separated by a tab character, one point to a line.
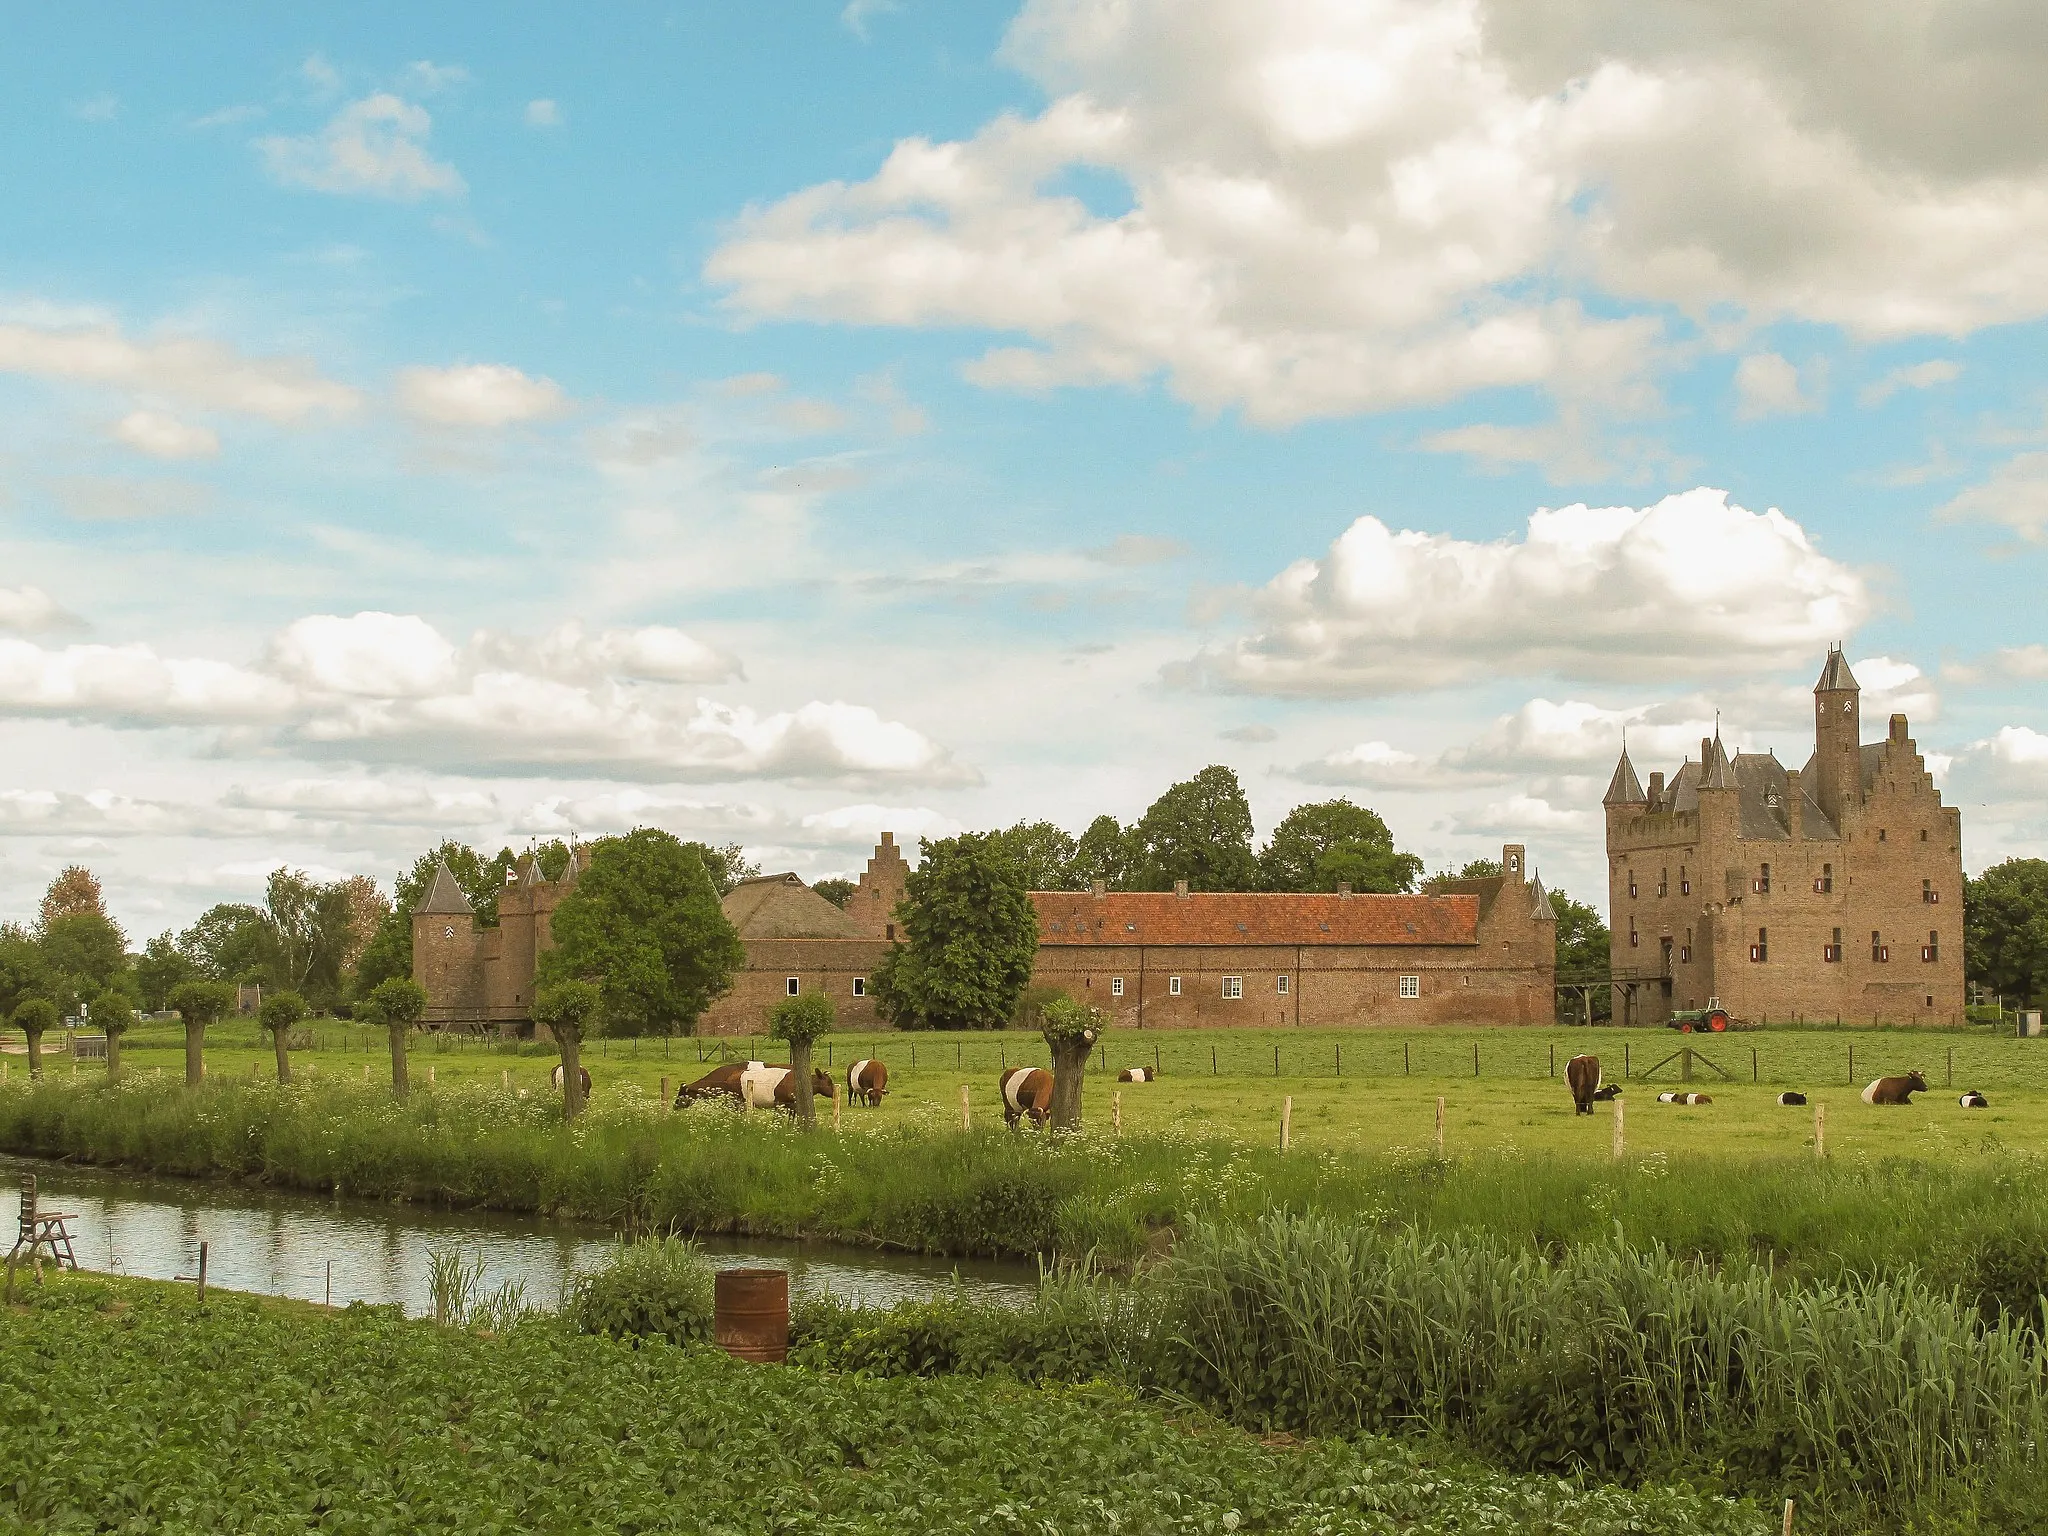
1283	985
1411	986
1116	986
1684	953
1923	835
1631	884
1932	951
1763	880
1663	882
1879	952
1632	938
1233	986
1173	986
790	985
890	929
1761	950
860	986
1928	893
1880	834
1826	882
1684	884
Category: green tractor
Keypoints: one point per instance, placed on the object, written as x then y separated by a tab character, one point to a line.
1712	1019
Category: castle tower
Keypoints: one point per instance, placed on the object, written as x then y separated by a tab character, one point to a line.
1625	795
444	950
874	901
1837	738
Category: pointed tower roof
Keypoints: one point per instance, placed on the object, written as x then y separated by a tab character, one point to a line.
1625	788
446	895
1540	908
1717	772
1836	677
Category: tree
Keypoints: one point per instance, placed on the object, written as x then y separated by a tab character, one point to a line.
33	1017
1317	847
200	1003
398	1003
970	936
643	922
159	970
727	864
281	1014
1582	952
74	893
1109	853
1071	1031
802	1021
114	1012
835	891
85	953
1043	854
389	951
1199	831
229	942
565	1005
24	973
2005	928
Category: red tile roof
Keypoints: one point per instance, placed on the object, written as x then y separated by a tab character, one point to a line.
1161	917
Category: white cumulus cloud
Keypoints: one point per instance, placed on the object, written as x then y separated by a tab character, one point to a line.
478	395
1927	375
375	147
1767	385
32	611
191	370
1693	584
163	436
2014	497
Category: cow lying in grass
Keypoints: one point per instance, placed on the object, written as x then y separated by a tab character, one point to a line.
1895	1090
1974	1100
1684	1098
752	1085
1138	1075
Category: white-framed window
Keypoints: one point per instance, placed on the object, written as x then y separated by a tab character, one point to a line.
1283	985
1411	986
1116	986
790	985
860	986
1233	986
1173	986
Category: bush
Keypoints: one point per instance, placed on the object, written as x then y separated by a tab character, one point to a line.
657	1288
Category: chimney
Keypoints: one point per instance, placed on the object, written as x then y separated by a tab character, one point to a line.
1096	888
1656	791
1343	890
1706	753
1898	731
1180	889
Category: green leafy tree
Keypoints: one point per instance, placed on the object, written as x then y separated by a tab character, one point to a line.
389	952
1044	855
1199	831
1582	955
726	863
802	1021
113	1011
2005	928
85	953
200	1003
1070	1031
159	969
1108	852
228	942
566	1006
1318	847
280	1016
398	1003
34	1017
24	973
643	922
835	890
970	936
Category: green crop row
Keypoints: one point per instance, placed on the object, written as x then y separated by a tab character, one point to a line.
129	1408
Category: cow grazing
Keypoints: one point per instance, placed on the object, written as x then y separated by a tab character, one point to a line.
1606	1091
1974	1100
581	1071
1684	1098
1895	1090
1582	1076
1791	1100
866	1081
752	1085
1138	1075
1026	1091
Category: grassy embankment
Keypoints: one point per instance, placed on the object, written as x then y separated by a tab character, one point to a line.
130	1407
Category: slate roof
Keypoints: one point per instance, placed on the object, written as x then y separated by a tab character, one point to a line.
1217	918
783	907
1539	901
445	896
1764	801
1625	788
1836	674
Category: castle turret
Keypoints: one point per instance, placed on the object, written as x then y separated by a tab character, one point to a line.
1625	794
1837	738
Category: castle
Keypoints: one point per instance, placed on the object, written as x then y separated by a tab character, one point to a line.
1470	951
1832	891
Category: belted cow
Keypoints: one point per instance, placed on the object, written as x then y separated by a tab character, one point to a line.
1895	1090
1684	1098
1791	1099
1026	1091
1974	1100
752	1085
1138	1075
581	1071
866	1081
1582	1076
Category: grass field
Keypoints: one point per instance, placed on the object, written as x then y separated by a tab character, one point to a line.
1224	1083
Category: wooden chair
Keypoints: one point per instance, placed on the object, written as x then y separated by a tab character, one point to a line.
40	1229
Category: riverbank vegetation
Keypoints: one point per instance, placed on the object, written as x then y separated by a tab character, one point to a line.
169	1420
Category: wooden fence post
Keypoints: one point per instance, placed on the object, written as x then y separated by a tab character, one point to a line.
1620	1137
1286	1120
1820	1130
1116	1112
202	1271
1439	1130
965	1122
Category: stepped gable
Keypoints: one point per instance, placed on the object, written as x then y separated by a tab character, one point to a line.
445	896
1248	918
783	907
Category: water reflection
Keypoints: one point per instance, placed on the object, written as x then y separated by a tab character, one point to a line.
347	1250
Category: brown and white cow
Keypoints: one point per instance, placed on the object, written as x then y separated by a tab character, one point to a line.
1895	1090
1974	1100
752	1085
866	1081
581	1071
1026	1091
1582	1076
1138	1075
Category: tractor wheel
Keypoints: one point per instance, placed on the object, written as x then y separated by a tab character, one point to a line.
1685	1029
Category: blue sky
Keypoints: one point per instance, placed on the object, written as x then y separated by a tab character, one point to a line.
783	423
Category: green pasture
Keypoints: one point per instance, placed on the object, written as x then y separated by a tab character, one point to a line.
1368	1091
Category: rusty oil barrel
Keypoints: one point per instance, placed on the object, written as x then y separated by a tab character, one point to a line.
750	1316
